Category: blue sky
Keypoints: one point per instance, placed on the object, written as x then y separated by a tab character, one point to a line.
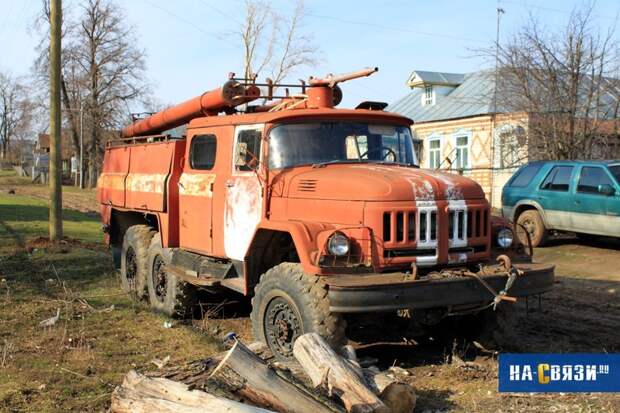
190	47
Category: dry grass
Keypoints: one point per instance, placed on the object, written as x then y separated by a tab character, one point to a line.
74	365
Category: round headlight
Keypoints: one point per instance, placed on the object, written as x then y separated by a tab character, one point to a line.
338	244
505	237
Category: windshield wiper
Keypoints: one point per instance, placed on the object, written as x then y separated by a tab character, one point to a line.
322	164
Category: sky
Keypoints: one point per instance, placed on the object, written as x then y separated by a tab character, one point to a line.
190	45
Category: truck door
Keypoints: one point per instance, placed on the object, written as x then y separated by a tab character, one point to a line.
196	193
243	199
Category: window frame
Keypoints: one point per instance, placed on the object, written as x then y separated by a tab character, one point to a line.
603	171
432	150
554	167
191	151
429	95
461	148
238	130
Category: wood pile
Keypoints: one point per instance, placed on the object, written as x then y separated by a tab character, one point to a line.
250	379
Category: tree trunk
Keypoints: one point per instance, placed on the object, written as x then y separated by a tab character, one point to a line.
140	394
326	368
246	375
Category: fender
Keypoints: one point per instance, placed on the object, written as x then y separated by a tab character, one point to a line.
304	237
534	204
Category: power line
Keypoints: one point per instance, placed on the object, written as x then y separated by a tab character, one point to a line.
192	24
550	9
222	13
396	29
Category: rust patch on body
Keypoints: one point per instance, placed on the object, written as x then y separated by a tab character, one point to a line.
112	180
196	184
151	183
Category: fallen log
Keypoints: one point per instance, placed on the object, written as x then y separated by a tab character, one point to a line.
244	374
326	369
400	397
141	394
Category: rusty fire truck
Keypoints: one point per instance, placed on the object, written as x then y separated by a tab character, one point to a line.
317	213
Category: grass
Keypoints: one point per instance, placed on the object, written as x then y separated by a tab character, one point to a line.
75	365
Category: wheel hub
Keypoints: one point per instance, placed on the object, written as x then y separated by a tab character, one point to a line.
131	267
160	279
282	326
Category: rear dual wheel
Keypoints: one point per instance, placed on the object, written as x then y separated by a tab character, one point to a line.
134	257
167	294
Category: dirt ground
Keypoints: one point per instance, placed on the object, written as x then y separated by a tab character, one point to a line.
101	334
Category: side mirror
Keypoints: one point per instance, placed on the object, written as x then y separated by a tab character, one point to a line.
606	189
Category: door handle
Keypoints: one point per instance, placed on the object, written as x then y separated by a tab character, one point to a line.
230	184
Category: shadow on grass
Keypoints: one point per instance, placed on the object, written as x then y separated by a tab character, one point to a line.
79	269
29	213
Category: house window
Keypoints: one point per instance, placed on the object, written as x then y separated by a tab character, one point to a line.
434	153
428	95
462	152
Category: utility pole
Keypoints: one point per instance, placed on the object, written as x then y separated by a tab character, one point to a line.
55	138
494	136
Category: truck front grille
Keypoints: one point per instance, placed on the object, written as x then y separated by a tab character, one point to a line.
406	227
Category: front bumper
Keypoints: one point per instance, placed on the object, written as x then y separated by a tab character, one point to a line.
394	291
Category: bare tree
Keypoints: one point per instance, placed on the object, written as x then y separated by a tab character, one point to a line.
70	78
275	43
13	112
103	74
563	81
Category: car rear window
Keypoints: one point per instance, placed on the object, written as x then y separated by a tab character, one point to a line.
524	176
558	179
615	171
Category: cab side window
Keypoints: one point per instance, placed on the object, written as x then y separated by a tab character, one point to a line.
590	179
202	152
247	152
558	179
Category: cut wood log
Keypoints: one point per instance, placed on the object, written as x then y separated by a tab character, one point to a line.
243	373
327	369
141	394
399	396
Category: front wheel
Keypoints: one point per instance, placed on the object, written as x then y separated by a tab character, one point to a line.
167	294
288	303
532	222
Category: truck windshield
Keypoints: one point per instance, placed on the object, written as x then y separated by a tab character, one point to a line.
295	144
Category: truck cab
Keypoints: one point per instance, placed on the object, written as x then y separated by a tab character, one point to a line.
317	213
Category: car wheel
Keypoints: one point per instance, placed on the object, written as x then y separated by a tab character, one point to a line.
288	303
133	257
532	222
167	294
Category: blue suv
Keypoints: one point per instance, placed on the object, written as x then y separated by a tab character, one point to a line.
575	196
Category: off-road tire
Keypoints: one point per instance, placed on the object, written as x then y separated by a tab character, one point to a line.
306	295
531	220
167	294
133	257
